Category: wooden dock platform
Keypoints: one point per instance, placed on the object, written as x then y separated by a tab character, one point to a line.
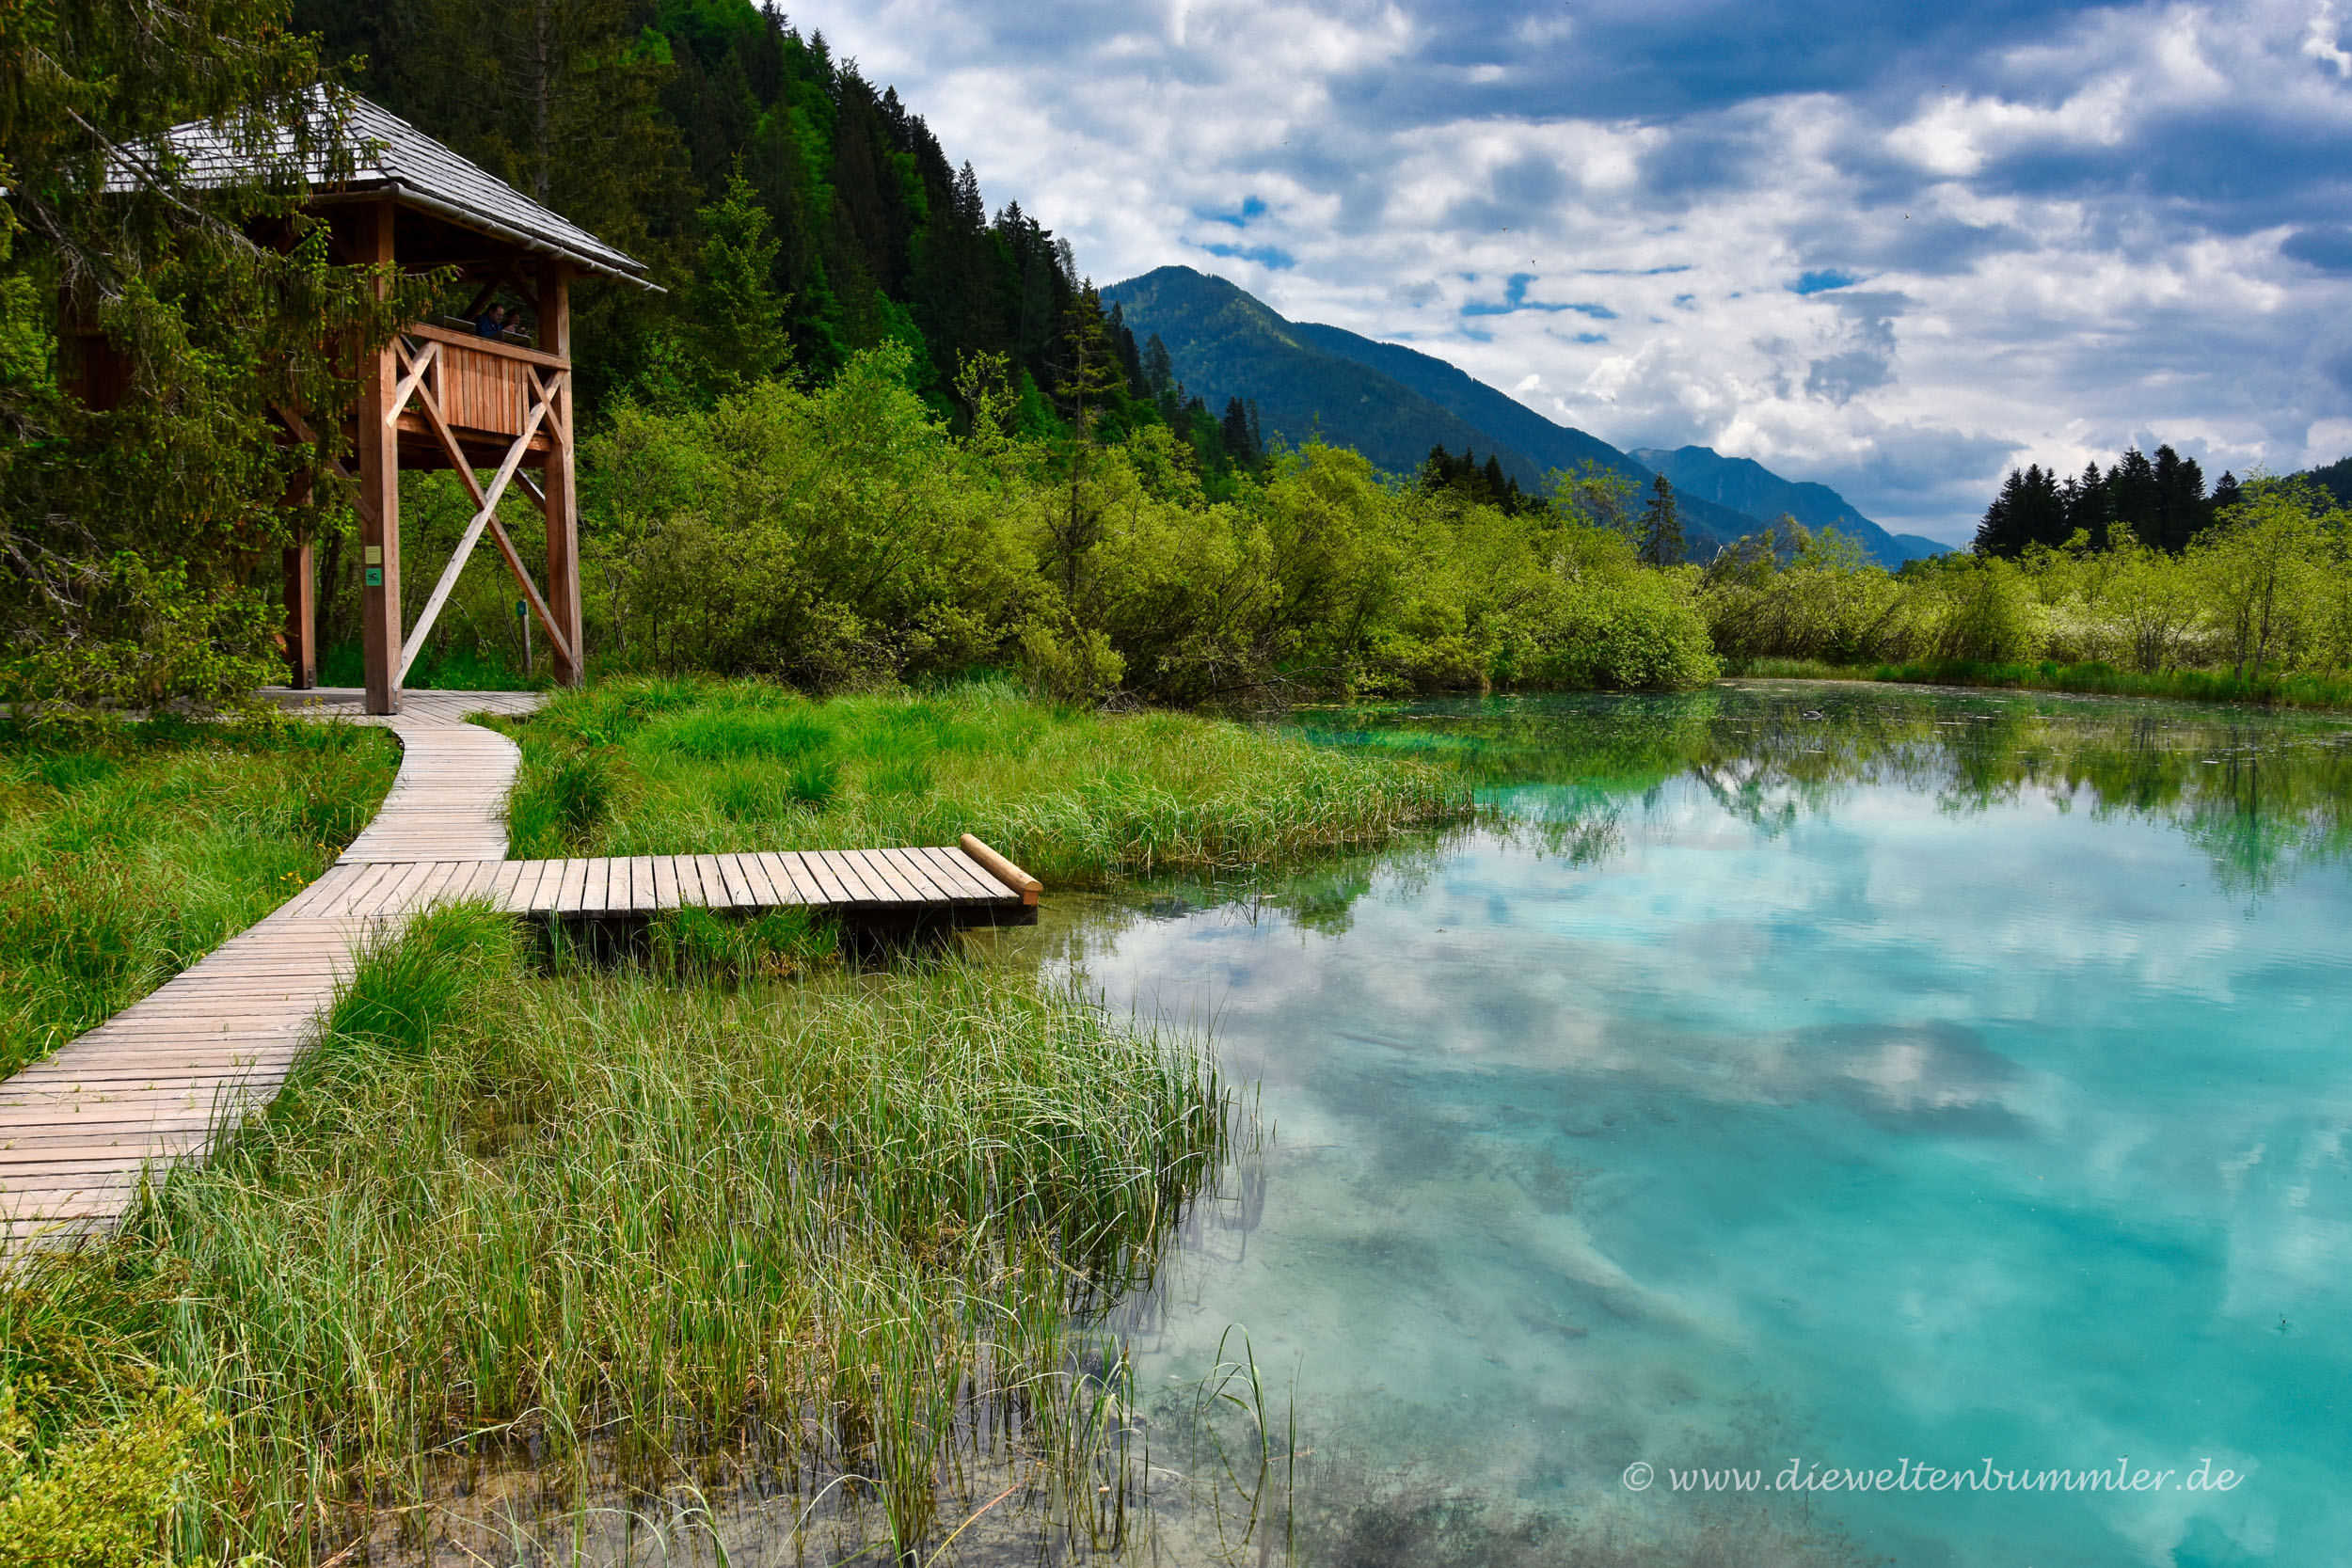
951	883
82	1131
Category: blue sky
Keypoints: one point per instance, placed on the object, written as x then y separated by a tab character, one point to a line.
1894	249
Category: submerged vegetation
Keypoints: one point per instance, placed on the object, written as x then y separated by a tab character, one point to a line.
1076	795
128	852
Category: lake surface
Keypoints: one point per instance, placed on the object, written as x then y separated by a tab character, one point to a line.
1857	1077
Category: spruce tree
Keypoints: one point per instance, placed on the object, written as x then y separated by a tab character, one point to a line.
2131	497
1240	444
1662	525
1159	377
736	317
2087	510
1491	476
2181	508
131	532
2227	494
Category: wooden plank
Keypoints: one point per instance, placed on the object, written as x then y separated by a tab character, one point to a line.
640	884
790	893
715	890
955	869
387	889
904	889
531	894
570	887
432	887
595	890
690	881
749	889
847	871
498	887
825	865
916	873
759	891
364	877
665	882
815	874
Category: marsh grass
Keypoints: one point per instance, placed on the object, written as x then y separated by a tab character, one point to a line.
128	852
2269	688
517	1208
1078	796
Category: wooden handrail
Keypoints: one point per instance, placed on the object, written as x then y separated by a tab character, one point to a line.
486	345
1002	870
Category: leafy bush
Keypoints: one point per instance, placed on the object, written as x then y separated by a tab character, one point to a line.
842	538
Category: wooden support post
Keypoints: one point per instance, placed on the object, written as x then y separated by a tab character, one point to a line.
302	620
566	655
380	494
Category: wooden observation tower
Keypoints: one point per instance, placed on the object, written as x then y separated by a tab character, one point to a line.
445	395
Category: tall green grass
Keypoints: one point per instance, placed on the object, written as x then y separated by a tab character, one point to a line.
842	1227
129	851
2269	689
1076	795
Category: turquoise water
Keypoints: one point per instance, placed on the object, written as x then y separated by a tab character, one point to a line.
1866	1079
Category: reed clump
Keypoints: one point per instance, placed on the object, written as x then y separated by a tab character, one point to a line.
1077	796
129	851
842	1224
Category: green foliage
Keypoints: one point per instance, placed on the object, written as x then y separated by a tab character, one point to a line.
843	536
129	851
2258	606
104	1498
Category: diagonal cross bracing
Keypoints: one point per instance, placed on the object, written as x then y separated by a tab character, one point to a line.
416	385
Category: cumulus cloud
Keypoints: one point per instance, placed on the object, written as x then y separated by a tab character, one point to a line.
1890	248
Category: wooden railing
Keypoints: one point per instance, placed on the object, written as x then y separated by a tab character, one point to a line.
483	385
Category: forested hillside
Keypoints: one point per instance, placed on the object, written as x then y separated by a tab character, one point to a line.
632	118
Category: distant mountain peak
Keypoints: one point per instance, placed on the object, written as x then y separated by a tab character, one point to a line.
1393	403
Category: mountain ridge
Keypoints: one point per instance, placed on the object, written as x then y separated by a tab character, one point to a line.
1393	403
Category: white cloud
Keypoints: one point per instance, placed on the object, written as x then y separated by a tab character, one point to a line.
2060	242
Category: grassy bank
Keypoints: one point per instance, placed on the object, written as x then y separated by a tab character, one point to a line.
1078	796
129	852
840	1224
2198	685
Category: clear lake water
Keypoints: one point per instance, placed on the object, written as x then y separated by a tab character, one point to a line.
1852	1078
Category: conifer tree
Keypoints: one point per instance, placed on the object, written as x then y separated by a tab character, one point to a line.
1661	527
2086	511
2131	497
1240	439
2227	494
2181	508
734	317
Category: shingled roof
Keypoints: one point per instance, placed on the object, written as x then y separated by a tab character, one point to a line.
392	156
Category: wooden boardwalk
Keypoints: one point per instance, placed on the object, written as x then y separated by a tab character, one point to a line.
951	883
157	1083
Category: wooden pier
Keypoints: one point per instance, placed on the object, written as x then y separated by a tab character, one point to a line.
85	1130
